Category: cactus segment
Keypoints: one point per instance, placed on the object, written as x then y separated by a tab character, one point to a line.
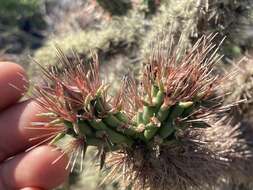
151	128
78	129
120	122
112	121
150	131
99	105
177	110
151	110
84	128
148	112
158	100
113	136
154	90
167	129
130	130
122	117
139	118
163	113
185	105
68	124
188	111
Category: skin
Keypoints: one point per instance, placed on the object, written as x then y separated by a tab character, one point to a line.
19	169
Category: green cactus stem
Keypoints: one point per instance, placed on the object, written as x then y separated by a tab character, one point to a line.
112	121
151	128
112	135
154	90
169	127
84	128
157	100
148	112
139	118
167	130
122	117
163	112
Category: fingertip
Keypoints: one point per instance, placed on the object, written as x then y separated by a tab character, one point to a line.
36	169
49	175
11	64
15	70
31	188
13	83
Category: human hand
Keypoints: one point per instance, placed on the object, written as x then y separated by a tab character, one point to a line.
31	170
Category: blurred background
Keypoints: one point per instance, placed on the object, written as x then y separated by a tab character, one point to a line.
123	34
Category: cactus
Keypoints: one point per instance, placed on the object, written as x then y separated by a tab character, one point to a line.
188	19
230	18
119	35
174	17
241	88
161	131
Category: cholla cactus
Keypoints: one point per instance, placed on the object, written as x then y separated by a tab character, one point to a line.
242	88
164	131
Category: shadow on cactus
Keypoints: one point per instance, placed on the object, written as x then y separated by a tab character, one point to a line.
163	131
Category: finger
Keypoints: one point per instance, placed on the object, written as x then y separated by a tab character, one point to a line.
13	82
34	169
31	188
14	134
